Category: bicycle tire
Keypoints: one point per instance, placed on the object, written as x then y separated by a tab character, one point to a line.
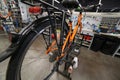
16	61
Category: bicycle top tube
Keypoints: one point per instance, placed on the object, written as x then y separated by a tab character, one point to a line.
43	3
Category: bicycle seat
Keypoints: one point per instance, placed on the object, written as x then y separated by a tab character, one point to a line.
70	4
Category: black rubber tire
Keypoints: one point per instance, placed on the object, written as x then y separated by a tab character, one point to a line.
14	67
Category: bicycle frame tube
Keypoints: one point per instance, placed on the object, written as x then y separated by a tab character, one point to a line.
70	35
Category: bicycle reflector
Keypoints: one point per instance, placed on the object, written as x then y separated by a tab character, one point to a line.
52	36
35	9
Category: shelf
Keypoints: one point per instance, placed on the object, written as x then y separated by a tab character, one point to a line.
85	45
85	42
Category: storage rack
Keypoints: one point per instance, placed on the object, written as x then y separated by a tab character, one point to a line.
80	39
13	24
109	23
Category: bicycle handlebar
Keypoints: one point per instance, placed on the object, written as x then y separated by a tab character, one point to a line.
56	8
88	7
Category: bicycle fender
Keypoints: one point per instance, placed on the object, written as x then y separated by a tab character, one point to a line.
17	39
7	53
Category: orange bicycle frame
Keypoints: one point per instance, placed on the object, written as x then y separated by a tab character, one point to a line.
70	36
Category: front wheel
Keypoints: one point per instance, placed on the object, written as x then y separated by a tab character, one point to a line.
30	61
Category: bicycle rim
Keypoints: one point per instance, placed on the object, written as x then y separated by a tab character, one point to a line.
36	63
31	62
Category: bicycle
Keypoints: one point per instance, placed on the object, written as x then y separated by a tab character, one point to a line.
57	38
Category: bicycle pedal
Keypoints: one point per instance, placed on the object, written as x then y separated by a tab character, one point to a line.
52	56
75	52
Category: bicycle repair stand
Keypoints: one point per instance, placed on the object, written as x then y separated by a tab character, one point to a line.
72	53
56	69
68	59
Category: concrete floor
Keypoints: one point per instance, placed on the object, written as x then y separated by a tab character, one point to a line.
4	43
92	65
